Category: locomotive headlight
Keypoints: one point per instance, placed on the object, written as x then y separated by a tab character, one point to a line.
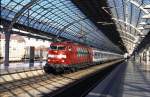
61	56
48	60
50	56
62	60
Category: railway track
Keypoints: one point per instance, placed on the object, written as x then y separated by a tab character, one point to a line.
36	83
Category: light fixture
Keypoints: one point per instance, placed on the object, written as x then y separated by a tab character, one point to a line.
142	23
140	28
146	16
147	6
105	23
147	26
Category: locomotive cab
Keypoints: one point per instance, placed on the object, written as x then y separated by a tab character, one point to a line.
57	54
58	57
67	56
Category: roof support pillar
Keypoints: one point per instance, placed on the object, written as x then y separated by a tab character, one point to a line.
147	58
141	57
7	42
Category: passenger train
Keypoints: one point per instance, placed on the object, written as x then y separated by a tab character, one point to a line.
69	56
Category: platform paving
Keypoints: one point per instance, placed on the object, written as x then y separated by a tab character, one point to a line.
127	80
20	65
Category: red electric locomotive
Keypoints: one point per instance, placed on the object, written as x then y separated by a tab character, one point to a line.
67	56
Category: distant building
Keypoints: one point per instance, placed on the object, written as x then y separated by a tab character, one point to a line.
16	47
19	47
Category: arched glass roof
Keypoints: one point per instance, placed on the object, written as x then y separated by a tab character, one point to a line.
59	17
132	18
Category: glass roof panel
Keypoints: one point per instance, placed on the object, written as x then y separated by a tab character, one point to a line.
59	17
128	17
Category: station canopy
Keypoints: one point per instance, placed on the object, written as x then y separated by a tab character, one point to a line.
125	22
132	18
58	17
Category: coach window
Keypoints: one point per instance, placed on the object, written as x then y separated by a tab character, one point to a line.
82	52
98	54
95	54
102	55
86	51
79	52
105	55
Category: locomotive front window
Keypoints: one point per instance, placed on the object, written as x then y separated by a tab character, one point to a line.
61	47
57	47
53	47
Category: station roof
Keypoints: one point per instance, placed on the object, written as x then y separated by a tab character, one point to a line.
125	22
83	21
55	17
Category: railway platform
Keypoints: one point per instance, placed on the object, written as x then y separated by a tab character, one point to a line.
127	80
21	65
